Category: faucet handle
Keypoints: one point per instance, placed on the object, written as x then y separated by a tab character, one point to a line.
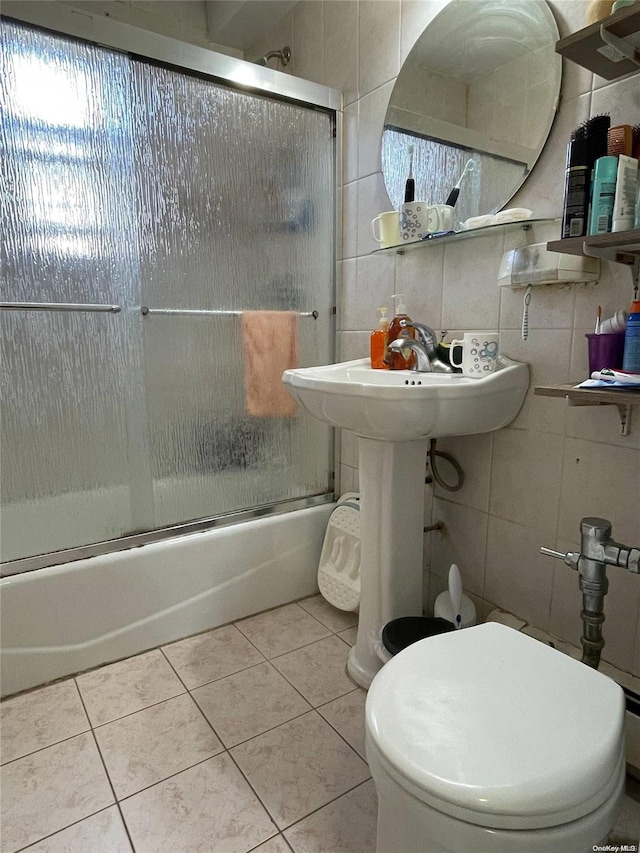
571	558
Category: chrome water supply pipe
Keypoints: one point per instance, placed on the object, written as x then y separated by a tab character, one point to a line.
597	551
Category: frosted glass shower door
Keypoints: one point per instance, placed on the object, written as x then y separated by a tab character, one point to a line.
143	211
238	201
73	448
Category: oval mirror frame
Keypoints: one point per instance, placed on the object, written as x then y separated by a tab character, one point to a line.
469	90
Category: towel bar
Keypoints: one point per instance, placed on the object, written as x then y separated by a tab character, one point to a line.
198	313
59	306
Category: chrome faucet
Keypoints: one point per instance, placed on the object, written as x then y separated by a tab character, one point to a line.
597	551
425	348
423	362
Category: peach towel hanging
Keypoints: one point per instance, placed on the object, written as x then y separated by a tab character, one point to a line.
270	340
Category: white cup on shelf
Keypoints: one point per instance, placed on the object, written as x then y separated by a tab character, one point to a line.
385	228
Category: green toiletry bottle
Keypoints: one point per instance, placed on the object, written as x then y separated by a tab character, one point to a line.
604	194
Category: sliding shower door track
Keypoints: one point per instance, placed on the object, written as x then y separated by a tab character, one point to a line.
82	552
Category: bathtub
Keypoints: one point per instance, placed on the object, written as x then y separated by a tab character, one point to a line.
64	619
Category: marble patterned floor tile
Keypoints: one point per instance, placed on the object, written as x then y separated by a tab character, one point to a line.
299	767
627	825
128	686
153	744
51	789
249	703
40	718
350	635
346	715
282	630
205	657
318	671
209	807
347	825
101	833
335	619
275	845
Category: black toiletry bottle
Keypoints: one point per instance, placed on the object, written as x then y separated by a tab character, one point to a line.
597	135
588	143
576	186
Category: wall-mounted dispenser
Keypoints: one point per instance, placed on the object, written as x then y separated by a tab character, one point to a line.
535	265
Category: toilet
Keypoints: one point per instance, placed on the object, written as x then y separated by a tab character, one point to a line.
485	740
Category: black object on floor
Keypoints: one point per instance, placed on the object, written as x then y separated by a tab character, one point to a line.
400	633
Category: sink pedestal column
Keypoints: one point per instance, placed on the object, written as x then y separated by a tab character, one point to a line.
392	475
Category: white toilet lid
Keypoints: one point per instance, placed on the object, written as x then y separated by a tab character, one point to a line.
488	722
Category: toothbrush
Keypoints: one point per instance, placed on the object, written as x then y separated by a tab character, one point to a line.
410	186
525	313
598	317
469	166
455	594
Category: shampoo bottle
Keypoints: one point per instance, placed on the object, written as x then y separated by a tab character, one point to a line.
604	192
379	342
396	360
631	358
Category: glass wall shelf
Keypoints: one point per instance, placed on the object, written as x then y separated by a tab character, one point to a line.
454	236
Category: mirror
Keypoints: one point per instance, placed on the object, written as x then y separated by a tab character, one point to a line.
482	82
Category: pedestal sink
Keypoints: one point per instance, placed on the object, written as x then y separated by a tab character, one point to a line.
394	414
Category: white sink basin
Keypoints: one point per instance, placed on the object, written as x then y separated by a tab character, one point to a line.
401	405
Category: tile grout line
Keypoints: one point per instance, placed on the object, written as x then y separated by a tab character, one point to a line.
64	828
92	814
273	728
334	800
106	770
47	746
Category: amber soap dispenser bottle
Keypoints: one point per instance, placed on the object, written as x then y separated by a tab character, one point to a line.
379	341
396	360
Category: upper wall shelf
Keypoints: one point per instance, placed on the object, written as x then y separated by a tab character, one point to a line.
623	247
609	48
454	236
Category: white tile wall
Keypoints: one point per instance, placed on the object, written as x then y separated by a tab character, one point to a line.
307	48
379	43
341	48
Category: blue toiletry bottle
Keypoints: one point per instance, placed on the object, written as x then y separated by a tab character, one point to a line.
604	193
631	358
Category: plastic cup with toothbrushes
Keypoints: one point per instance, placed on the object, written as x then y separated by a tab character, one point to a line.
419	219
605	350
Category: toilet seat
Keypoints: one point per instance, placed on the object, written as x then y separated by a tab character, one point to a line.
492	727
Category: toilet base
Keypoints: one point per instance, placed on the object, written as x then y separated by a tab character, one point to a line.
409	825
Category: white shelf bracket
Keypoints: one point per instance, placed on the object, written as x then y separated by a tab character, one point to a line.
625	418
620	45
624	411
614	256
